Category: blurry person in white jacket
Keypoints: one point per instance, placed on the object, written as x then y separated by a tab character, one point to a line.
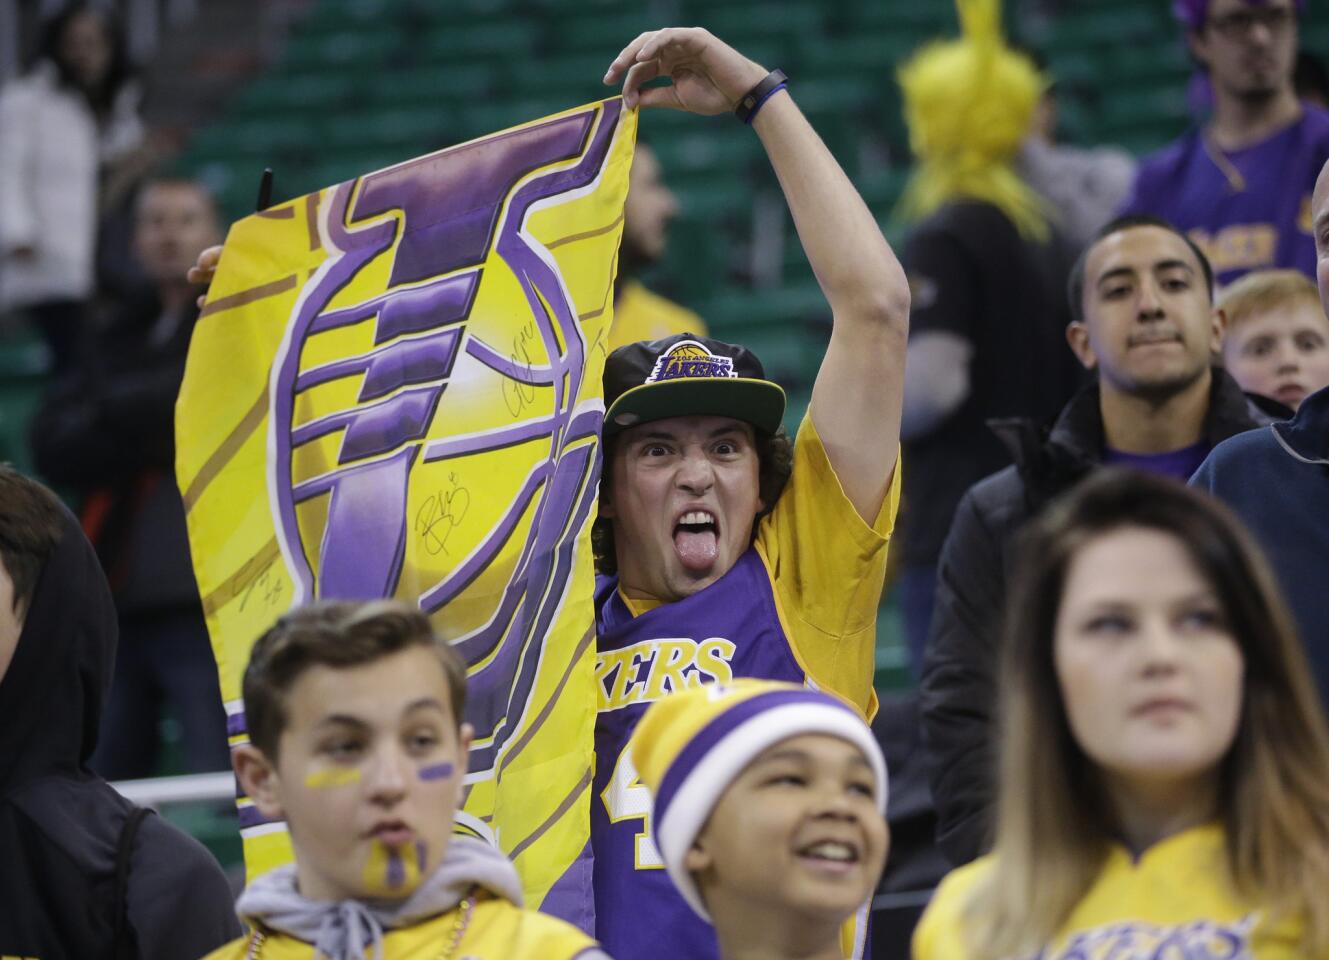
63	127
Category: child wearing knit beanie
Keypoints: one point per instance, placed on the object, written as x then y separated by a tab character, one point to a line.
769	812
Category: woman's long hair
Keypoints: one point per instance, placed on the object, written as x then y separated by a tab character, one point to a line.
1053	825
119	70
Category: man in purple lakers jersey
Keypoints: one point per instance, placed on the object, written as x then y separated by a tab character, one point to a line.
1241	185
724	550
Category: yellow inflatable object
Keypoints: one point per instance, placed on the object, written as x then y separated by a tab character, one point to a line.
968	104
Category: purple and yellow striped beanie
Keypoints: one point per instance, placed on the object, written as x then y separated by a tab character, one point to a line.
691	745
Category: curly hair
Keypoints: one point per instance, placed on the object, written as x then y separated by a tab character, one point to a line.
775	457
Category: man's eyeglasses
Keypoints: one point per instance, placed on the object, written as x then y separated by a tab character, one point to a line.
1239	23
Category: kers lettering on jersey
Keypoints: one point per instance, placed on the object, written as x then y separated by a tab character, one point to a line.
1197	940
730	629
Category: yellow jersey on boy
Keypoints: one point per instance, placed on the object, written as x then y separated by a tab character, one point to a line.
494	930
1175	900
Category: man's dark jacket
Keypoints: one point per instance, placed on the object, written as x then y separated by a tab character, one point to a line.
106	433
1277	480
60	825
959	671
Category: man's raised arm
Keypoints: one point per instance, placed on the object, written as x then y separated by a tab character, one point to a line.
857	396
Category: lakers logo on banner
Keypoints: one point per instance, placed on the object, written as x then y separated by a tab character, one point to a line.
394	391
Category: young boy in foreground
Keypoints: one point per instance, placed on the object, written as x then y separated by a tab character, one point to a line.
770	803
356	739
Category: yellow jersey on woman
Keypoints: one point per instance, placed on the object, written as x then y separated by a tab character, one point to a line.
1174	900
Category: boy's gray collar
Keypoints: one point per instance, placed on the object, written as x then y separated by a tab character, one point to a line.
342	929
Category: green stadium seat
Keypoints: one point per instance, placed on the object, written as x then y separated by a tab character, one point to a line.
280	93
1075	68
578	74
408	130
1133	107
216	826
745	23
735	314
24	363
868	57
1119	27
921	20
452	40
892	671
336	12
482	118
345	49
1159	63
604	34
429	83
726	152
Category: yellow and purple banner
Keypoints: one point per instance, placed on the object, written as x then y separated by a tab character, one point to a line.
394	391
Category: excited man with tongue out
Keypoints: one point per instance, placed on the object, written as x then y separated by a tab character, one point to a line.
724	549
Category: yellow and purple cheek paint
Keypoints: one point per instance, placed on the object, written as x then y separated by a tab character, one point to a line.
436	771
333	777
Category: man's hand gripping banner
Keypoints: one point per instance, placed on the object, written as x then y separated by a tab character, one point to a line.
394	391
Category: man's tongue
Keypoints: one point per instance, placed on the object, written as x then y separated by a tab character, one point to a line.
696	549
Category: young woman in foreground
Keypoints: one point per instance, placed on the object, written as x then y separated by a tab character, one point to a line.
1164	762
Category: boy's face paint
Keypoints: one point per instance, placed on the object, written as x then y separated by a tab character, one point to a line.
391	871
370	774
332	777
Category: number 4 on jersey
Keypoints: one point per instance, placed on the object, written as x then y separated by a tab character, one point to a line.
627	799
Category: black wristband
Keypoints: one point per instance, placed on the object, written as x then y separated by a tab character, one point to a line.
751	102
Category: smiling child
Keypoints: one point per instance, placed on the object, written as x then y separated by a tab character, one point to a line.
769	803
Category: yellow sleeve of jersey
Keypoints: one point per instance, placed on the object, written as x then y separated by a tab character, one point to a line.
827	567
940	932
235	950
640	314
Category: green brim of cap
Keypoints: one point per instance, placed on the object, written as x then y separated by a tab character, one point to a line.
758	402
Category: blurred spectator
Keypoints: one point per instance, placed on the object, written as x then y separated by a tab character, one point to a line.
1277	480
1164	784
640	314
107	432
1311	79
1276	340
1241	185
1083	187
986	274
1145	323
84	873
63	127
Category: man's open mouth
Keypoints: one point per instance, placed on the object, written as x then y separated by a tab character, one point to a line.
697	539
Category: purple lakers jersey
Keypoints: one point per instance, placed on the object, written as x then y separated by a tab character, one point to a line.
1247	209
730	629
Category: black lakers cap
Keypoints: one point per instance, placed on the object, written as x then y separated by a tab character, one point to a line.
688	375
